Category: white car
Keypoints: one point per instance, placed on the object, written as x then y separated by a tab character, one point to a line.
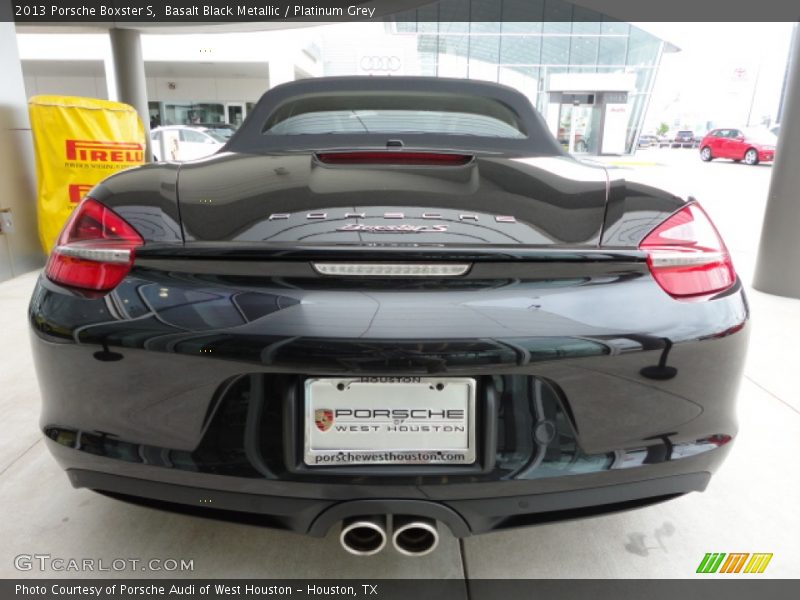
183	142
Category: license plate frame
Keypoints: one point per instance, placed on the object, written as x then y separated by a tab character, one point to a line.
442	444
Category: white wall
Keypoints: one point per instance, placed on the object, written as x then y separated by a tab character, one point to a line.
186	88
348	51
206	89
592	82
19	249
93	87
286	49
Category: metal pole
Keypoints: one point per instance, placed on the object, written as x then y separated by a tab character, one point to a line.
638	130
126	50
755	89
779	251
792	45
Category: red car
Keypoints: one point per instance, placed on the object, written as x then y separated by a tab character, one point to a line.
750	145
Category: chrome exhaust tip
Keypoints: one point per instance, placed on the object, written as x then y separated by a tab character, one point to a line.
363	536
415	536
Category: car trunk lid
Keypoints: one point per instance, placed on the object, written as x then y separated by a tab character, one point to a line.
385	199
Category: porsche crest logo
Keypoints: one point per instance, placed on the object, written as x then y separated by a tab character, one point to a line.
323	417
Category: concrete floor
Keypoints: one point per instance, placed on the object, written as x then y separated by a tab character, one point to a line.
750	506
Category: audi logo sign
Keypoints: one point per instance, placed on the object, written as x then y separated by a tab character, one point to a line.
384	64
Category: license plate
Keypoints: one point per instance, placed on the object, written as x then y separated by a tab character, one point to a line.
389	421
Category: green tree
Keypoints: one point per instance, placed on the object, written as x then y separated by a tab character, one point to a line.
662	129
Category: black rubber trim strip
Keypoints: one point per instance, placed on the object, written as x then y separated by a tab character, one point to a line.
553	269
485	514
463	517
299	512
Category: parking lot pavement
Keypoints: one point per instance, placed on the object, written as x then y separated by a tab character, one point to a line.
47	516
733	194
750	505
19	401
42	514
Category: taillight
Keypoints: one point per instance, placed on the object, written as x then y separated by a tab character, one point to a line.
686	255
393	157
95	249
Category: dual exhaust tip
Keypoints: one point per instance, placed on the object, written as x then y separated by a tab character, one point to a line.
411	536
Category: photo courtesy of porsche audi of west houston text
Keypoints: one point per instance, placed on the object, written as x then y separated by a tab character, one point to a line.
150	590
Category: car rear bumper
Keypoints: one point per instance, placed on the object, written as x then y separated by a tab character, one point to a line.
476	509
766	155
595	388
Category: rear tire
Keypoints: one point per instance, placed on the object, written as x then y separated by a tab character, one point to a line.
751	157
705	154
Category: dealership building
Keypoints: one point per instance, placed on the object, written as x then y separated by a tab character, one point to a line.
589	75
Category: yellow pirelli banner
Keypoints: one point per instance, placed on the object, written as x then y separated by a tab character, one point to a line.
78	142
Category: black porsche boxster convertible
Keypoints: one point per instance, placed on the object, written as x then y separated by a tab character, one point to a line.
395	305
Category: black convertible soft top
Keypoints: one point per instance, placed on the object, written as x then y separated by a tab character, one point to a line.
505	122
